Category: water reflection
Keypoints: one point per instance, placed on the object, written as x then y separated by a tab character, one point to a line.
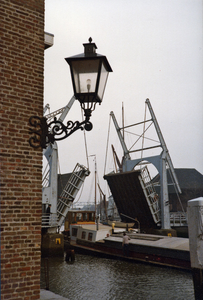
96	278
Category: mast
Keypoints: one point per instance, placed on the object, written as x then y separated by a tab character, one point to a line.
116	160
95	183
95	187
123	121
103	196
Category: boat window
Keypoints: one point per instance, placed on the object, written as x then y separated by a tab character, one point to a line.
83	235
90	217
74	231
79	217
73	217
84	216
90	235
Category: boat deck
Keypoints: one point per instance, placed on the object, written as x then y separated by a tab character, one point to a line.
154	241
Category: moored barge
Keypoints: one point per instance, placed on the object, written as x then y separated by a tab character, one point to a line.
154	249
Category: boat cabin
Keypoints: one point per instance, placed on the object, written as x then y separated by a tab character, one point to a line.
79	217
89	232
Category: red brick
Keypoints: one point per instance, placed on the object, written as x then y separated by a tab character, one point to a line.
21	96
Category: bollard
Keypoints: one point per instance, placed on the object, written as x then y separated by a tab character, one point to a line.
195	230
113	225
70	255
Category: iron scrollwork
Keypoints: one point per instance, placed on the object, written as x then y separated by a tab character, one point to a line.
44	133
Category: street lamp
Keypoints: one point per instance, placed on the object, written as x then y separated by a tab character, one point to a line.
89	73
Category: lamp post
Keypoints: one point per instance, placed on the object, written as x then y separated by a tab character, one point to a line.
89	73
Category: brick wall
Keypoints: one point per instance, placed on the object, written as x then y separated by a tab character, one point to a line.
22	62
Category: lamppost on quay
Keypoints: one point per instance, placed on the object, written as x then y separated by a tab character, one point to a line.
89	73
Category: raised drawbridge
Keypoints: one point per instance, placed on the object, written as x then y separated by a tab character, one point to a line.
133	190
70	191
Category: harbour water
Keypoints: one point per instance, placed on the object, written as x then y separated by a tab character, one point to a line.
94	278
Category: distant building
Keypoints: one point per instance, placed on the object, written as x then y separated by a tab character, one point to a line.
191	184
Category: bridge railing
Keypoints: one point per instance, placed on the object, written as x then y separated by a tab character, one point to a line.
49	220
178	219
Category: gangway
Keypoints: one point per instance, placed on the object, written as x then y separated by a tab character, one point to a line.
70	191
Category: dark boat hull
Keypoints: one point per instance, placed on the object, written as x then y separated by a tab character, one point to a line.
167	257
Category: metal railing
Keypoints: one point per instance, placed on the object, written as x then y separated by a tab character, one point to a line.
49	220
178	219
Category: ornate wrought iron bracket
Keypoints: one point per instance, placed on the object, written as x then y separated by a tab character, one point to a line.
43	133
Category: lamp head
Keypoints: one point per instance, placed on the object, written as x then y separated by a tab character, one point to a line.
89	73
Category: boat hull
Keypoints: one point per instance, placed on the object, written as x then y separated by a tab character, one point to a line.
140	253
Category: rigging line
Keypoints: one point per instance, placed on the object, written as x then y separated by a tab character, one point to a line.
123	121
108	190
85	143
107	144
90	190
140	136
114	159
97	173
80	193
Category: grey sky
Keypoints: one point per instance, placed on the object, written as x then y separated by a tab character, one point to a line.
155	50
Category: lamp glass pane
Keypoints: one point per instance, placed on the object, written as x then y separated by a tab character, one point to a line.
85	74
102	82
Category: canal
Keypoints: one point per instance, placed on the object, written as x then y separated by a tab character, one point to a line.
95	278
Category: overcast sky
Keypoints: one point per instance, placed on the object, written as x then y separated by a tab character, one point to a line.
155	50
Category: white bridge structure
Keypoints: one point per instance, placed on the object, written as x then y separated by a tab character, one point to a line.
159	207
60	204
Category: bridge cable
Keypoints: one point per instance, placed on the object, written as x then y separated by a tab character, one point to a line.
107	144
86	151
